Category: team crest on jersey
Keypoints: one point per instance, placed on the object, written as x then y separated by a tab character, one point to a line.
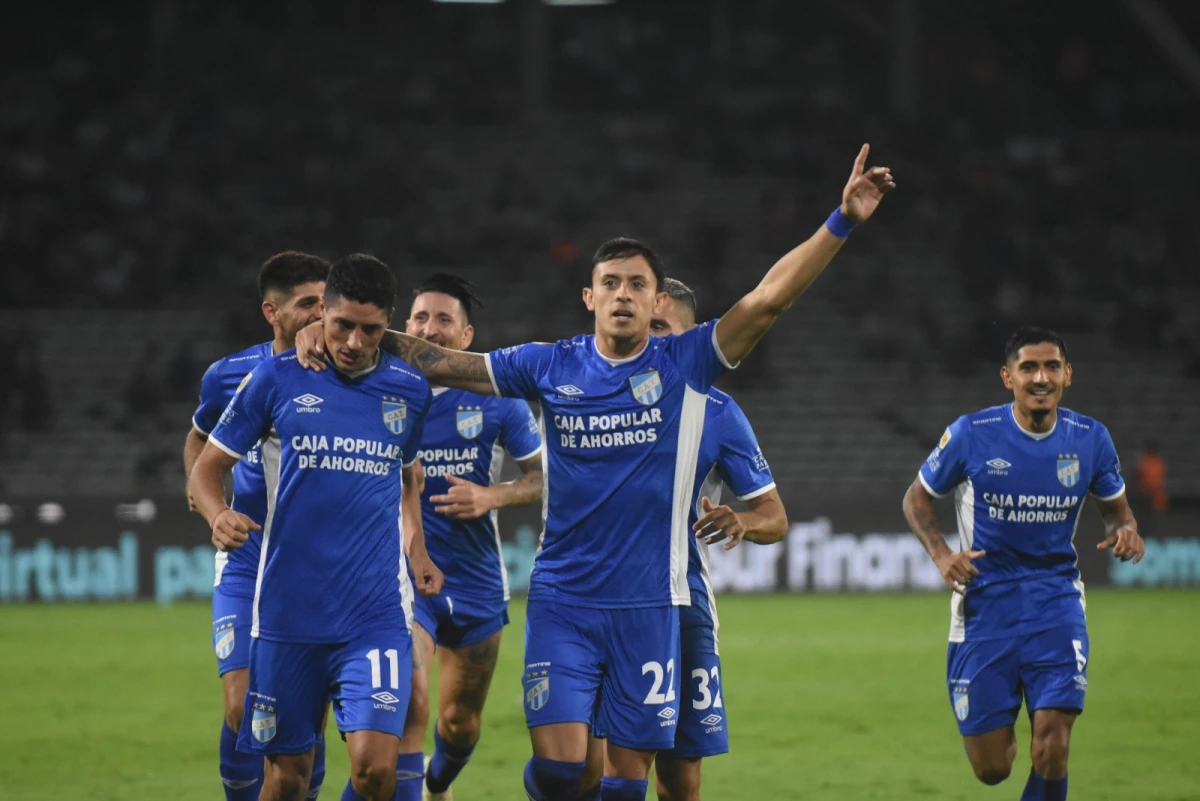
537	689
647	387
395	414
1068	469
470	422
263	724
223	640
962	701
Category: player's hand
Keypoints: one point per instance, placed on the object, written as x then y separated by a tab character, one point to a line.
1126	544
864	190
464	501
310	346
428	577
719	523
231	529
957	570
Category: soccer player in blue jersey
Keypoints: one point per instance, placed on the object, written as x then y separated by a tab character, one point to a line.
462	452
290	285
333	598
1021	473
624	414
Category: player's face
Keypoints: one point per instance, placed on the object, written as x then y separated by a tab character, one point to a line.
290	313
1037	377
623	295
669	319
352	333
440	319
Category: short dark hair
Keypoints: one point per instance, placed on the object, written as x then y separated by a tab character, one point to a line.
1032	335
681	293
458	288
626	248
285	271
362	279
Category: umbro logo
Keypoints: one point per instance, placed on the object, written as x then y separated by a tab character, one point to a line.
386	698
998	466
569	389
307	402
667	713
712	720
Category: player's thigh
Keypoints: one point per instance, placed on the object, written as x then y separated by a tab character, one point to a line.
373	678
562	677
233	611
417	716
285	699
428	612
465	676
984	684
639	698
1054	668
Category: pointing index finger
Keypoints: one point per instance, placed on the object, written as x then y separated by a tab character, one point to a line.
861	161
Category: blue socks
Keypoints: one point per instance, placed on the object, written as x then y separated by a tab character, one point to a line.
1039	789
242	774
548	780
410	771
623	789
349	795
447	762
318	773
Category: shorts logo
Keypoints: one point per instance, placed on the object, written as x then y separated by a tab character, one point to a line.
667	713
712	720
647	387
386	698
1068	469
223	640
262	724
470	422
537	689
395	414
962	703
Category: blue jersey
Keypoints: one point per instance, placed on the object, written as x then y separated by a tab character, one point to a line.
220	382
730	455
332	565
622	438
466	435
1019	497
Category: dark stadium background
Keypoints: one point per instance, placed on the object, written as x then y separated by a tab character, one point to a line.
153	154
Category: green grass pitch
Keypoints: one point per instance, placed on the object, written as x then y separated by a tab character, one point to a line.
829	697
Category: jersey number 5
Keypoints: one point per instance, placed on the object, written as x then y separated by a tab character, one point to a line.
655	696
393	658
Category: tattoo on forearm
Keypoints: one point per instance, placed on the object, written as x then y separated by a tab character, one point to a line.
429	358
524	490
924	525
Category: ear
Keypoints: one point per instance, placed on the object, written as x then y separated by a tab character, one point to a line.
1006	377
587	299
660	301
270	312
468	336
1070	371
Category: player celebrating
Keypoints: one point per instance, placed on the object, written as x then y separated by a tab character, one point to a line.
1021	473
627	413
462	451
333	593
290	285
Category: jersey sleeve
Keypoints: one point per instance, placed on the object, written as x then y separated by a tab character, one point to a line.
516	371
946	467
741	462
519	432
1108	482
247	418
213	400
698	356
412	446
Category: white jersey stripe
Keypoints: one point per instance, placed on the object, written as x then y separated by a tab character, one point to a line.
272	450
493	477
964	500
691	429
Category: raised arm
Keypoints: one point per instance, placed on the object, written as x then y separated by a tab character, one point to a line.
1120	530
206	489
744	325
956	568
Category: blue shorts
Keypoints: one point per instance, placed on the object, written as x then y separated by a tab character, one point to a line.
233	611
614	669
457	622
988	678
703	730
368	679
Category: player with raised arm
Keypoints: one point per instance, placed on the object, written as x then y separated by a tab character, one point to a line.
462	452
290	285
729	454
333	597
1021	474
624	413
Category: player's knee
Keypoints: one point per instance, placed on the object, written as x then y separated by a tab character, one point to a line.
992	775
234	710
284	780
370	778
461	722
1050	753
678	782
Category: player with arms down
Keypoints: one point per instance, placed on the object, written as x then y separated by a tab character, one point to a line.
1021	474
624	414
333	598
290	285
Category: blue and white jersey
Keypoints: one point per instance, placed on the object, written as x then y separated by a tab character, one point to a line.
1019	497
220	382
466	435
622	438
332	564
729	454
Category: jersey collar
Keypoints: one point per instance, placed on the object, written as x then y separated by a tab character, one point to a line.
1012	415
627	359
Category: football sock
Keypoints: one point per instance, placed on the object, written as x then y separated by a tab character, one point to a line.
410	770
241	773
447	762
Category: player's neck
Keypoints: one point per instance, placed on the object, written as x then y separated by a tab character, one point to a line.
280	345
1034	423
618	349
